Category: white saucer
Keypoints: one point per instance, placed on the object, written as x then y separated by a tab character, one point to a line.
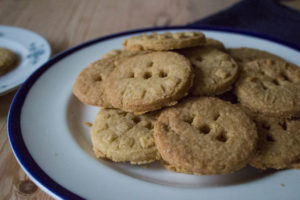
32	49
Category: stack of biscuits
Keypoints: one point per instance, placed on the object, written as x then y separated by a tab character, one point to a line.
199	108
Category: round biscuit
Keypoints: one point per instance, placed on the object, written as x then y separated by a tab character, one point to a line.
271	87
205	136
89	84
164	41
8	60
149	82
244	55
215	71
124	137
279	143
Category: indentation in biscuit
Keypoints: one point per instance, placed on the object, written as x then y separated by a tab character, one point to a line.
262	72
126	142
216	116
205	129
226	63
131	75
162	74
285	77
264	86
106	116
99	78
275	82
163	88
143	94
173	82
150	64
146	141
102	127
222	73
109	138
166	127
253	79
283	125
270	138
147	75
189	120
270	62
123	114
265	126
222	137
136	119
149	125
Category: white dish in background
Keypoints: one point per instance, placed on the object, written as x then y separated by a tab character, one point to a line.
52	144
32	50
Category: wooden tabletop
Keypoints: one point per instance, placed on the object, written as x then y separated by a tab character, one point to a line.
66	23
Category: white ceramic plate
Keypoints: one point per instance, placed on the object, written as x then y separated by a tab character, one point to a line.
51	143
32	50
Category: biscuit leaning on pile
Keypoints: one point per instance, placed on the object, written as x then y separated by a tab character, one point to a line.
159	99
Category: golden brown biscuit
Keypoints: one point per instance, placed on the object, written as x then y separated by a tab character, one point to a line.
8	60
279	143
89	85
164	41
149	82
205	136
271	87
124	137
244	55
215	71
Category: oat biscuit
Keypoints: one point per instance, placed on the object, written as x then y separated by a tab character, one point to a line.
279	143
89	85
205	136
164	41
244	55
149	82
271	87
215	71
214	43
7	60
124	137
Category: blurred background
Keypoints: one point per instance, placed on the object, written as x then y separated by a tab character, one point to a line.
65	23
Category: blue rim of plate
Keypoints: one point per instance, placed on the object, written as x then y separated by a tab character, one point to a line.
14	117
